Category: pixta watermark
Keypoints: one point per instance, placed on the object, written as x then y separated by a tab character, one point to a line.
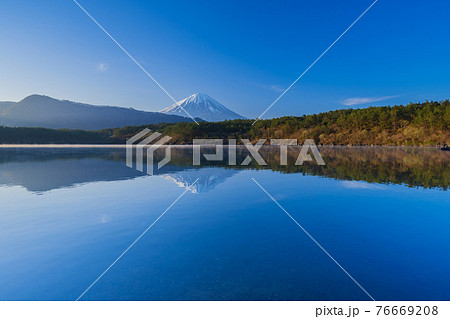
215	150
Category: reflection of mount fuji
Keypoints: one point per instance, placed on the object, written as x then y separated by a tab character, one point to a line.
208	178
40	171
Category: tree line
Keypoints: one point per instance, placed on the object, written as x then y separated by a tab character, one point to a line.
414	124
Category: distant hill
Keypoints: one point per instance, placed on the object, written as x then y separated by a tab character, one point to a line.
5	105
202	106
44	111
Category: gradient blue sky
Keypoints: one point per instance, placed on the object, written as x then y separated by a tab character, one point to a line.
242	53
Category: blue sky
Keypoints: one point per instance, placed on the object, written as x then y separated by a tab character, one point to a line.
242	53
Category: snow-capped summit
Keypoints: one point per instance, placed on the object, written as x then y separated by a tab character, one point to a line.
208	178
202	106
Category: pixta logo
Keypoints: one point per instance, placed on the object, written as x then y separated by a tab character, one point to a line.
146	143
253	150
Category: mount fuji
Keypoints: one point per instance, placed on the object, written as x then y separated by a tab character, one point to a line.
202	106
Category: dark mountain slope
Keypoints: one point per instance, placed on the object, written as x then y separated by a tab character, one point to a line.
44	111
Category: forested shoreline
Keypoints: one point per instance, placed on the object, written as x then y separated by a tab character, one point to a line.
416	124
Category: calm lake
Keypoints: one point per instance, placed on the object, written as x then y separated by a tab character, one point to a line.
383	214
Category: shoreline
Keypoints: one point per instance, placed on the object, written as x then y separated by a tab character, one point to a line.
124	146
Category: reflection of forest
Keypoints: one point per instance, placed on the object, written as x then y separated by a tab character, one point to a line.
411	166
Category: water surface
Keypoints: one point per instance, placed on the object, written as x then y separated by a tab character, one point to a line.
382	213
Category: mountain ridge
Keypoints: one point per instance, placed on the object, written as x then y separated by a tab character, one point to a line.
44	111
